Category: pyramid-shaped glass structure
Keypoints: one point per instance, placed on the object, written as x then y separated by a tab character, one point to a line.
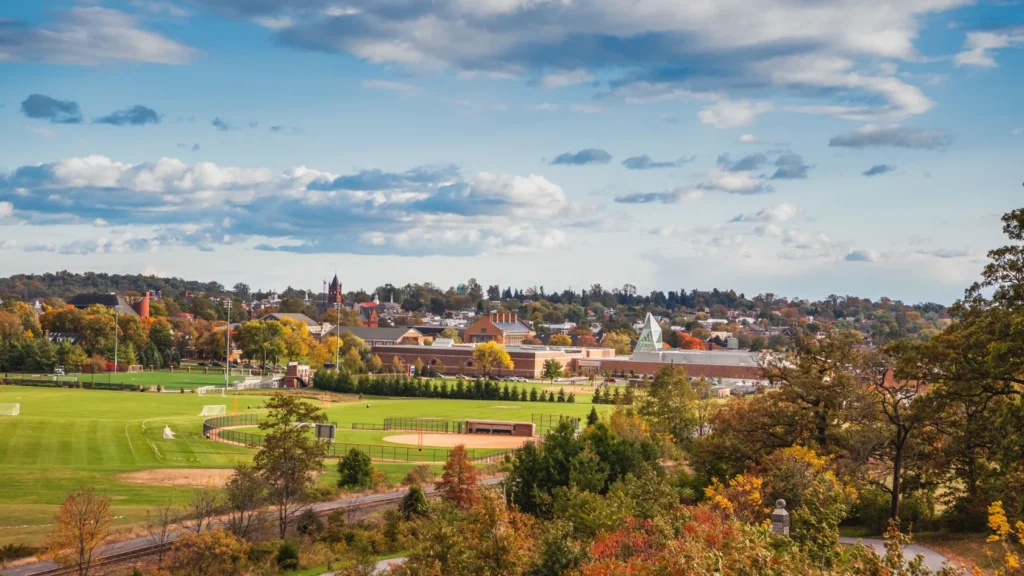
650	336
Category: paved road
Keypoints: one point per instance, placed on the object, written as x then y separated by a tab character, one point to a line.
139	543
932	559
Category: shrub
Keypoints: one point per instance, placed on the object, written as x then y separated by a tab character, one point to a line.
355	470
309	523
287	556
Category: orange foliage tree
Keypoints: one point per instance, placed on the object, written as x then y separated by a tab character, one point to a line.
458	482
82	524
688	342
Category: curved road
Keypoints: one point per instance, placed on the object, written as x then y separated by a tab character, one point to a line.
932	559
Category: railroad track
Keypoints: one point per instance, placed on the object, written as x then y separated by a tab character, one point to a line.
109	560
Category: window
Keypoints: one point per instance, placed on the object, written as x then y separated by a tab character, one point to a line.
483	330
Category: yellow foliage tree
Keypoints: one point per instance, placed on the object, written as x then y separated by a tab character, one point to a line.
491	355
325	351
82	524
560	340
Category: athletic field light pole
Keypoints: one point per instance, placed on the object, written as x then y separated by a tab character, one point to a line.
227	348
337	336
117	310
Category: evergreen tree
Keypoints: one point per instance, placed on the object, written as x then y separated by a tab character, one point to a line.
598	396
592	418
533	394
551	397
522	395
572	398
561	394
543	396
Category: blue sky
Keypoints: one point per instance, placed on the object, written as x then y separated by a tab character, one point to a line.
801	148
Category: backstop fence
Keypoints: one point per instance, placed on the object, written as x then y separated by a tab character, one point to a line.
543	423
426	424
219	429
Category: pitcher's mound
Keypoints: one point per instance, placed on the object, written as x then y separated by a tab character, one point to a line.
196	477
468	440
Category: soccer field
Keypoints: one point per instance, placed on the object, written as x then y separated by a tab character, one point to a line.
67	439
169	380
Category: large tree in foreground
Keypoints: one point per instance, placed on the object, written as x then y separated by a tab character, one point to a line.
458	483
291	456
81	526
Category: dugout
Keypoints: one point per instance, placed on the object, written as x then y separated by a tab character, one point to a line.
499	427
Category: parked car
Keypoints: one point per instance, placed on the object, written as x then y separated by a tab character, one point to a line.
329	365
248	366
202	364
216	364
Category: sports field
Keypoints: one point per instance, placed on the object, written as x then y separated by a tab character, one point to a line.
66	439
168	380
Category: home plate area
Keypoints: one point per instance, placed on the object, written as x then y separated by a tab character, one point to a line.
467	440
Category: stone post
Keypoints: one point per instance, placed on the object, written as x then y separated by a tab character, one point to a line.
780	519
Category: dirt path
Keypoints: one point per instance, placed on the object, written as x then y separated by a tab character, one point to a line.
193	477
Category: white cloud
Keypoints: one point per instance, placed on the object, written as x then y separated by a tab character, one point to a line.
274	22
979	45
748	139
90	35
426	210
565	78
1017	131
863	256
391	86
733	113
734	183
781	213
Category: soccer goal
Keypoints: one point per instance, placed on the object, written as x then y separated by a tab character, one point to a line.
214	410
136	368
204	390
168	433
10	409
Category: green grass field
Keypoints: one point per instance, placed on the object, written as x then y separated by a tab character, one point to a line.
67	439
170	380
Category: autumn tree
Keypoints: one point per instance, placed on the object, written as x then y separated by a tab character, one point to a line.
215	552
397	366
818	377
587	341
560	340
491	355
203	507
290	456
458	482
244	497
552	369
159	522
688	342
81	526
352	361
374	364
621	341
261	339
326	351
670	405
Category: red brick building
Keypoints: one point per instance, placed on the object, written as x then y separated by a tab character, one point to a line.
502	327
527	361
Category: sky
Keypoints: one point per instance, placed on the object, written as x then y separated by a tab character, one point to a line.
797	147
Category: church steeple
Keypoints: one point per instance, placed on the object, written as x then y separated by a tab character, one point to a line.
334	295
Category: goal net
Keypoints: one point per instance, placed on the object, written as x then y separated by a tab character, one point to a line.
10	409
204	390
168	433
214	410
135	369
